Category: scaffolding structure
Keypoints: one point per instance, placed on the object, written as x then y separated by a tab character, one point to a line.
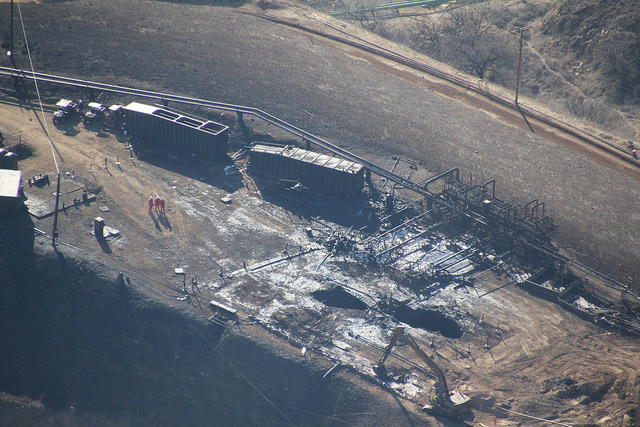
530	222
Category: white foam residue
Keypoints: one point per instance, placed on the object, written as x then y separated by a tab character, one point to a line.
410	389
583	303
274	306
371	333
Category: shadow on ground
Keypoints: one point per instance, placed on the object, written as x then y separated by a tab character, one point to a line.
347	210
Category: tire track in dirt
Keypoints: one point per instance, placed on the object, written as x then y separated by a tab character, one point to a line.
180	226
119	182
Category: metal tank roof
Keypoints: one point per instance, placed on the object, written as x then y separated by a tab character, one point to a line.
10	183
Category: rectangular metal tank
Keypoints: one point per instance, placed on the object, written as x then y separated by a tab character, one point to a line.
162	128
320	172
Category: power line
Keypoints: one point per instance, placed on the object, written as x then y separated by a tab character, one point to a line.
35	81
242	375
54	233
519	31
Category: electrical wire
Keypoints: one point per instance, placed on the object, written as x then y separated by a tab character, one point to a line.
241	374
35	81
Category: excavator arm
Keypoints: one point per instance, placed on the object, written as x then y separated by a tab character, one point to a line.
442	389
443	398
387	351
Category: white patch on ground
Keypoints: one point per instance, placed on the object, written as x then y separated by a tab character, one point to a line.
411	389
421	254
363	328
583	303
341	345
229	294
274	307
244	224
461	268
348	358
292	282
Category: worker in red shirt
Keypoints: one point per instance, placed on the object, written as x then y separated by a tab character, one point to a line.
157	202
634	153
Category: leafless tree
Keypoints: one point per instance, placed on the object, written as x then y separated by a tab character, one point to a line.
369	19
591	110
463	37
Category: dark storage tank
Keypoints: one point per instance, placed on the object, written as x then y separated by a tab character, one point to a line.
158	127
320	172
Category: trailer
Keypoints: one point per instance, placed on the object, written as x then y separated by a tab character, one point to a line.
316	171
157	127
10	190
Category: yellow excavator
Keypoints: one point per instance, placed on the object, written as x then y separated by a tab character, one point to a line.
443	401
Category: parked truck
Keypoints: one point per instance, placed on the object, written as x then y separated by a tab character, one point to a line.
65	110
94	113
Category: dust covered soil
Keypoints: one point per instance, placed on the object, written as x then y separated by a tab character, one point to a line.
223	54
513	349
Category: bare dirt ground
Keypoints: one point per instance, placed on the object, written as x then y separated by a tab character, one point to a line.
336	96
525	366
375	109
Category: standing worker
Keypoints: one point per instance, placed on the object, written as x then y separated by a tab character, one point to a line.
634	153
162	204
157	203
150	203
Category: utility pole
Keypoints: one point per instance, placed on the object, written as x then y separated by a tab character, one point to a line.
54	234
10	53
11	26
521	32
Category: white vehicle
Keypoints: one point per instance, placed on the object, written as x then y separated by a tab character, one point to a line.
95	112
66	109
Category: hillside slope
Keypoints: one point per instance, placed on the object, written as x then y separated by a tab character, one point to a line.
595	45
579	58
